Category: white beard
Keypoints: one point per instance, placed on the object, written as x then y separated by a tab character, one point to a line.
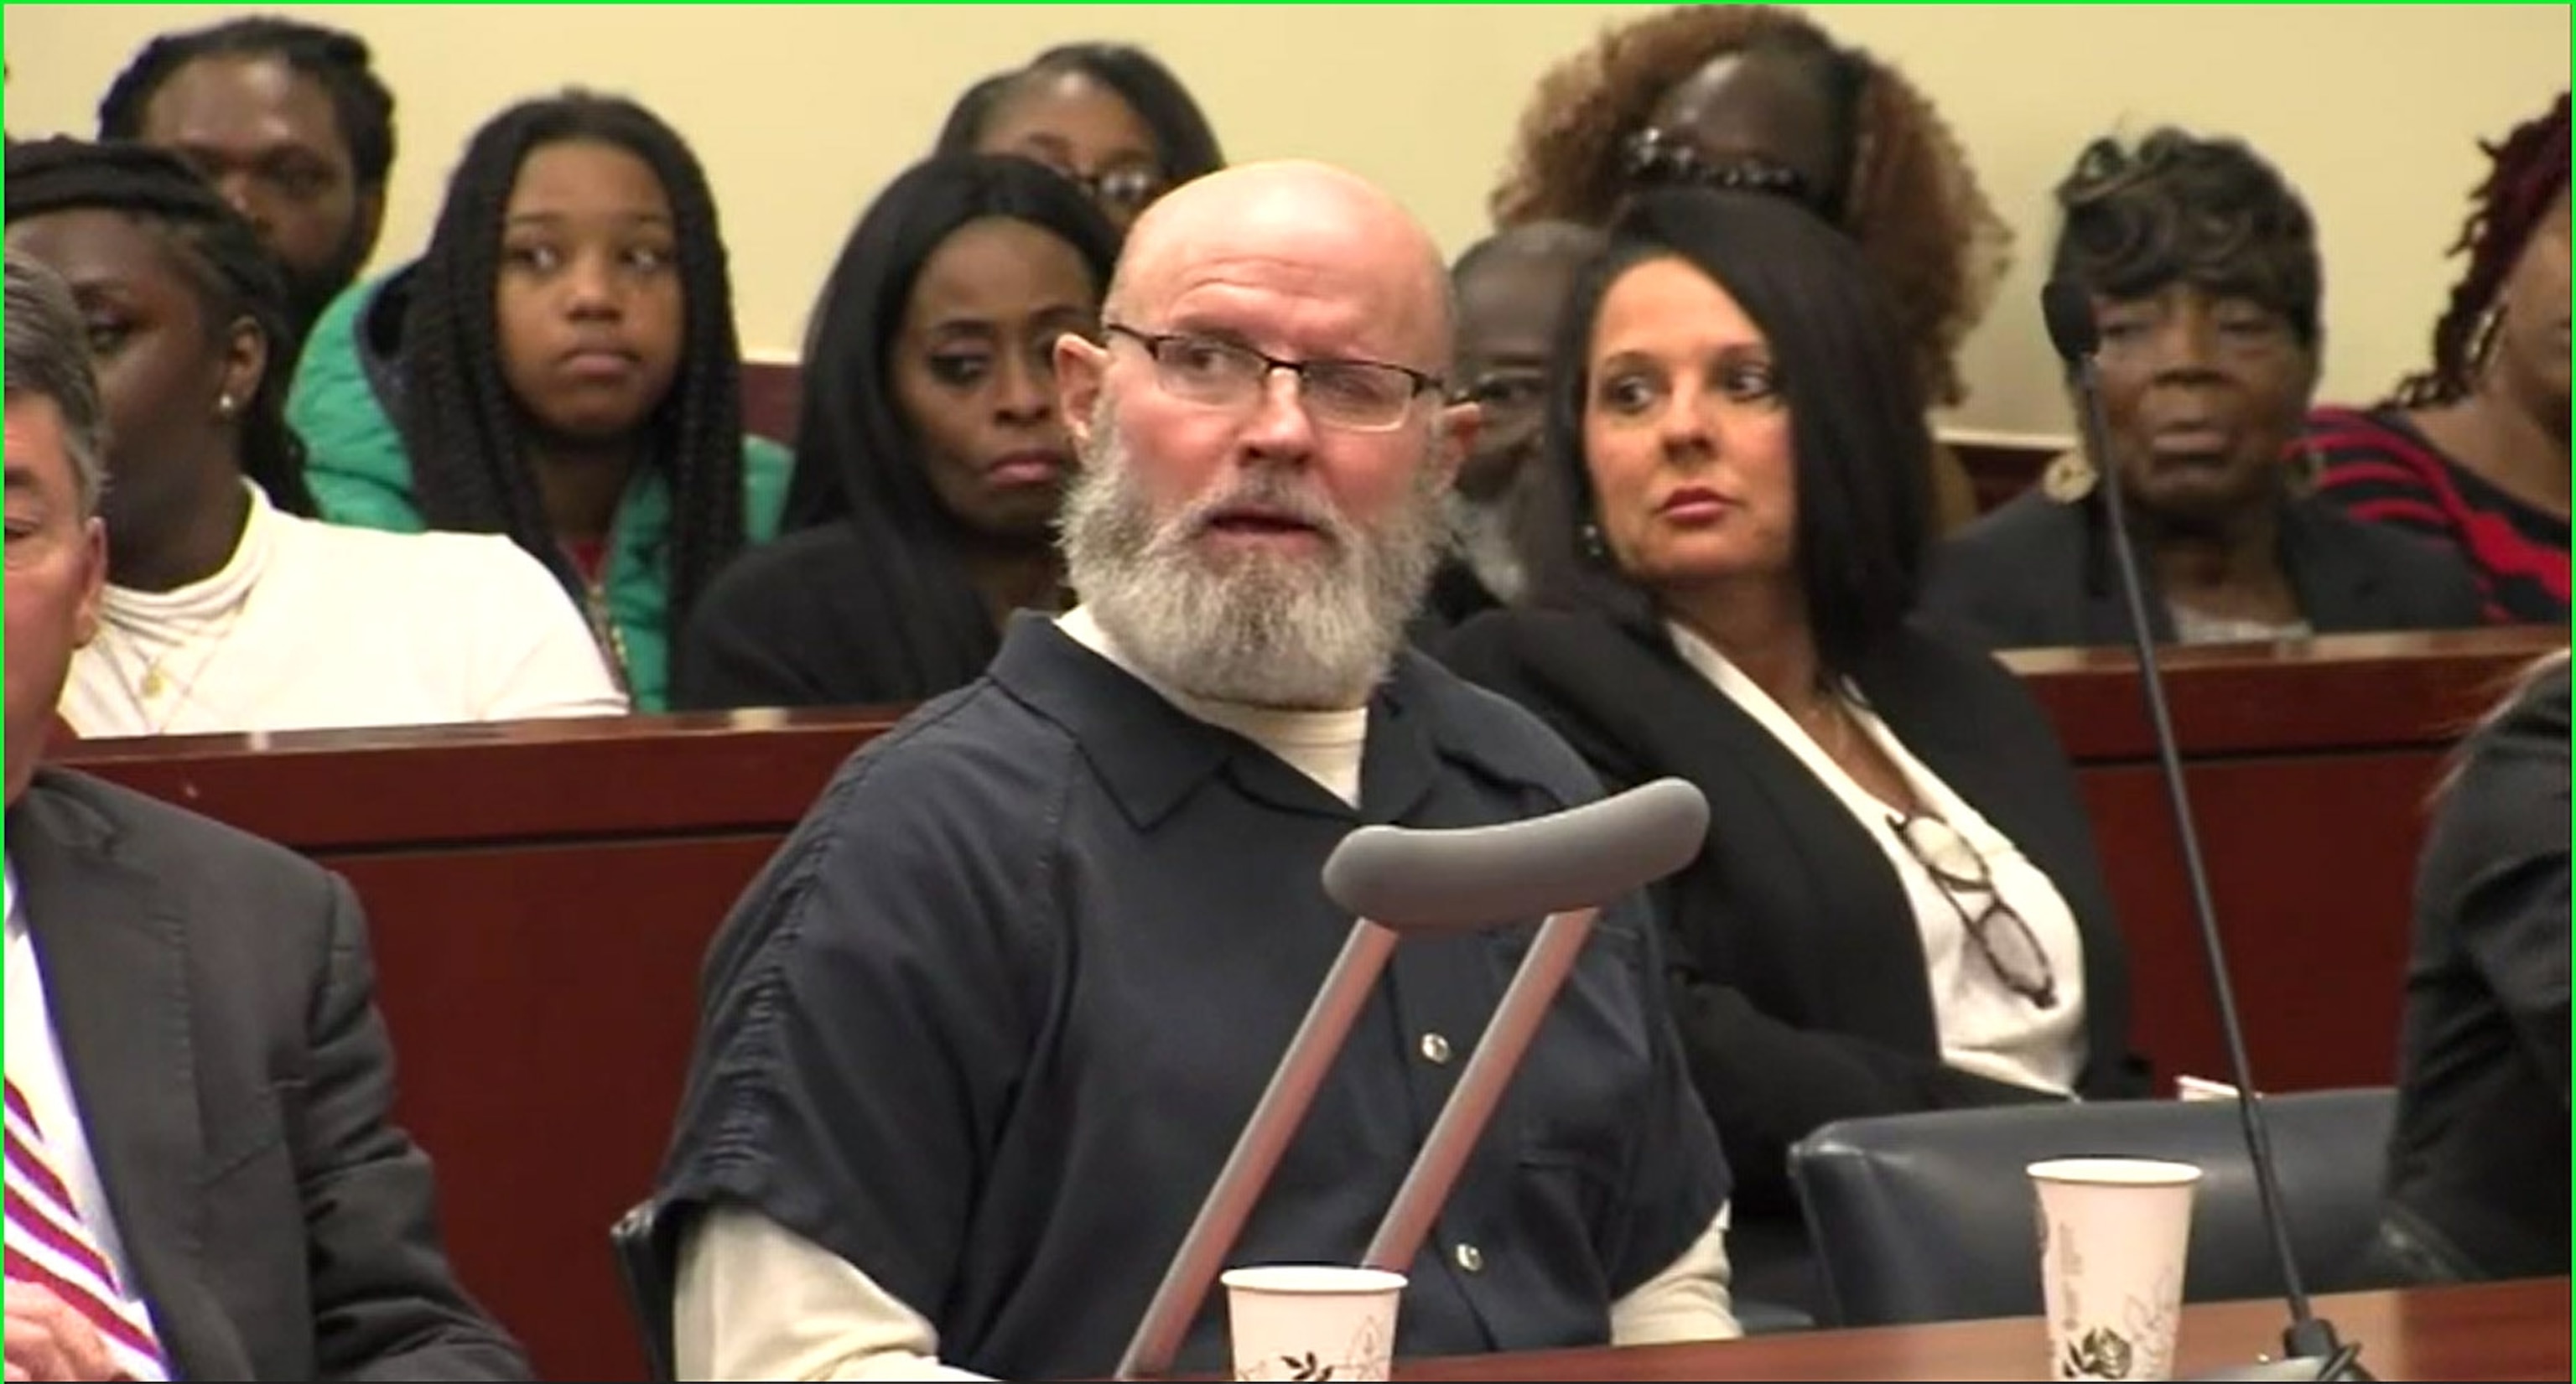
1305	633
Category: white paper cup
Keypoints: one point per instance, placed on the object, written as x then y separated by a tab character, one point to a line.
2114	1236
1312	1321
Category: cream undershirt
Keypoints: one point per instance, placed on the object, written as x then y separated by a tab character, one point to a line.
757	1301
313	626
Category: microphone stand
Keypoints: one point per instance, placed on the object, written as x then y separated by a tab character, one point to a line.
2310	1348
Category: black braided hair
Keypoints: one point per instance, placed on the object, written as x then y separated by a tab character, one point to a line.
2526	172
462	427
235	277
339	61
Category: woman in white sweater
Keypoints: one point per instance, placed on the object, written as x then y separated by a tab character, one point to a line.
228	608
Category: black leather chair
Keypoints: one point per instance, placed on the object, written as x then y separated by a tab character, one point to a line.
1931	1217
649	1289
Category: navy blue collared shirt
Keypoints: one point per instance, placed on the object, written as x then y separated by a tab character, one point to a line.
989	1023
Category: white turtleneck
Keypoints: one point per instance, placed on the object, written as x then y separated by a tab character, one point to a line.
311	626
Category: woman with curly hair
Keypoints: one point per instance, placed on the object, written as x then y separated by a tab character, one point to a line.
1750	96
2472	452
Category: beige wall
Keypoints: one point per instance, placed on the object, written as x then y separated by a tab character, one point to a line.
801	113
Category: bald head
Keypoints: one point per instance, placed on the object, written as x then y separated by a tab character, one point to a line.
1308	226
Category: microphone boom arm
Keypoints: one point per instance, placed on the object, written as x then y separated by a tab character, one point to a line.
2313	1351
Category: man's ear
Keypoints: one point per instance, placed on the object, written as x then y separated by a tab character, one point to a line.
1081	367
1453	436
93	584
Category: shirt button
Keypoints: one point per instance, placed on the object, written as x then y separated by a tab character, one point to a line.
1435	1049
1470	1259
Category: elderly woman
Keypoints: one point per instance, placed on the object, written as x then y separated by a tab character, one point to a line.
2202	264
1898	907
1748	96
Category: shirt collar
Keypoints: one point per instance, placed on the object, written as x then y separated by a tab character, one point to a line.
226	588
1151	755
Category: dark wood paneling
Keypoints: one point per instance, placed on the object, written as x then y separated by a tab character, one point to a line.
772	391
542	1001
2311	863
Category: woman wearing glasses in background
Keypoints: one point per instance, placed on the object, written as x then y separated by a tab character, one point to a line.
1760	99
1898	907
1107	115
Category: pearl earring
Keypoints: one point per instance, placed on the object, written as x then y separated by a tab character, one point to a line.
1594	547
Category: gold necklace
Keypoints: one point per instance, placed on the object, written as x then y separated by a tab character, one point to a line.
148	686
604	632
1828	705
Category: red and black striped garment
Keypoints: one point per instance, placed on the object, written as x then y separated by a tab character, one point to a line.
2380	469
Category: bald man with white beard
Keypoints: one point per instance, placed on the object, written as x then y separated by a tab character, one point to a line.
977	1041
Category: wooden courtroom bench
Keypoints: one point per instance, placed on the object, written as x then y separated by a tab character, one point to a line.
2001	465
541	894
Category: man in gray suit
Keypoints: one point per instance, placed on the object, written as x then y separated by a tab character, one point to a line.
203	1177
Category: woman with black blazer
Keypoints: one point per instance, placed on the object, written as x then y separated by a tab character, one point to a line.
1898	907
2202	264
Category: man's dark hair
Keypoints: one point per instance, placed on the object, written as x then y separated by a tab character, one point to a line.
339	61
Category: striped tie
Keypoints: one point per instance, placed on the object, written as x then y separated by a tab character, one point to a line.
48	1244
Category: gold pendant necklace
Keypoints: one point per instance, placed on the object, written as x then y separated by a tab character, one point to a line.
605	633
155	680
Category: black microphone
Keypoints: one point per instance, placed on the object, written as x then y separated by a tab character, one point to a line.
2310	1347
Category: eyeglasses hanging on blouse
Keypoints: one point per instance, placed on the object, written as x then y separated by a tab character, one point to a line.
2001	935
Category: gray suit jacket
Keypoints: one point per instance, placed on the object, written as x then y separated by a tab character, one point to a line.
214	1002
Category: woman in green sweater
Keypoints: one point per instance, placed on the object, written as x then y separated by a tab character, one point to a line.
560	366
